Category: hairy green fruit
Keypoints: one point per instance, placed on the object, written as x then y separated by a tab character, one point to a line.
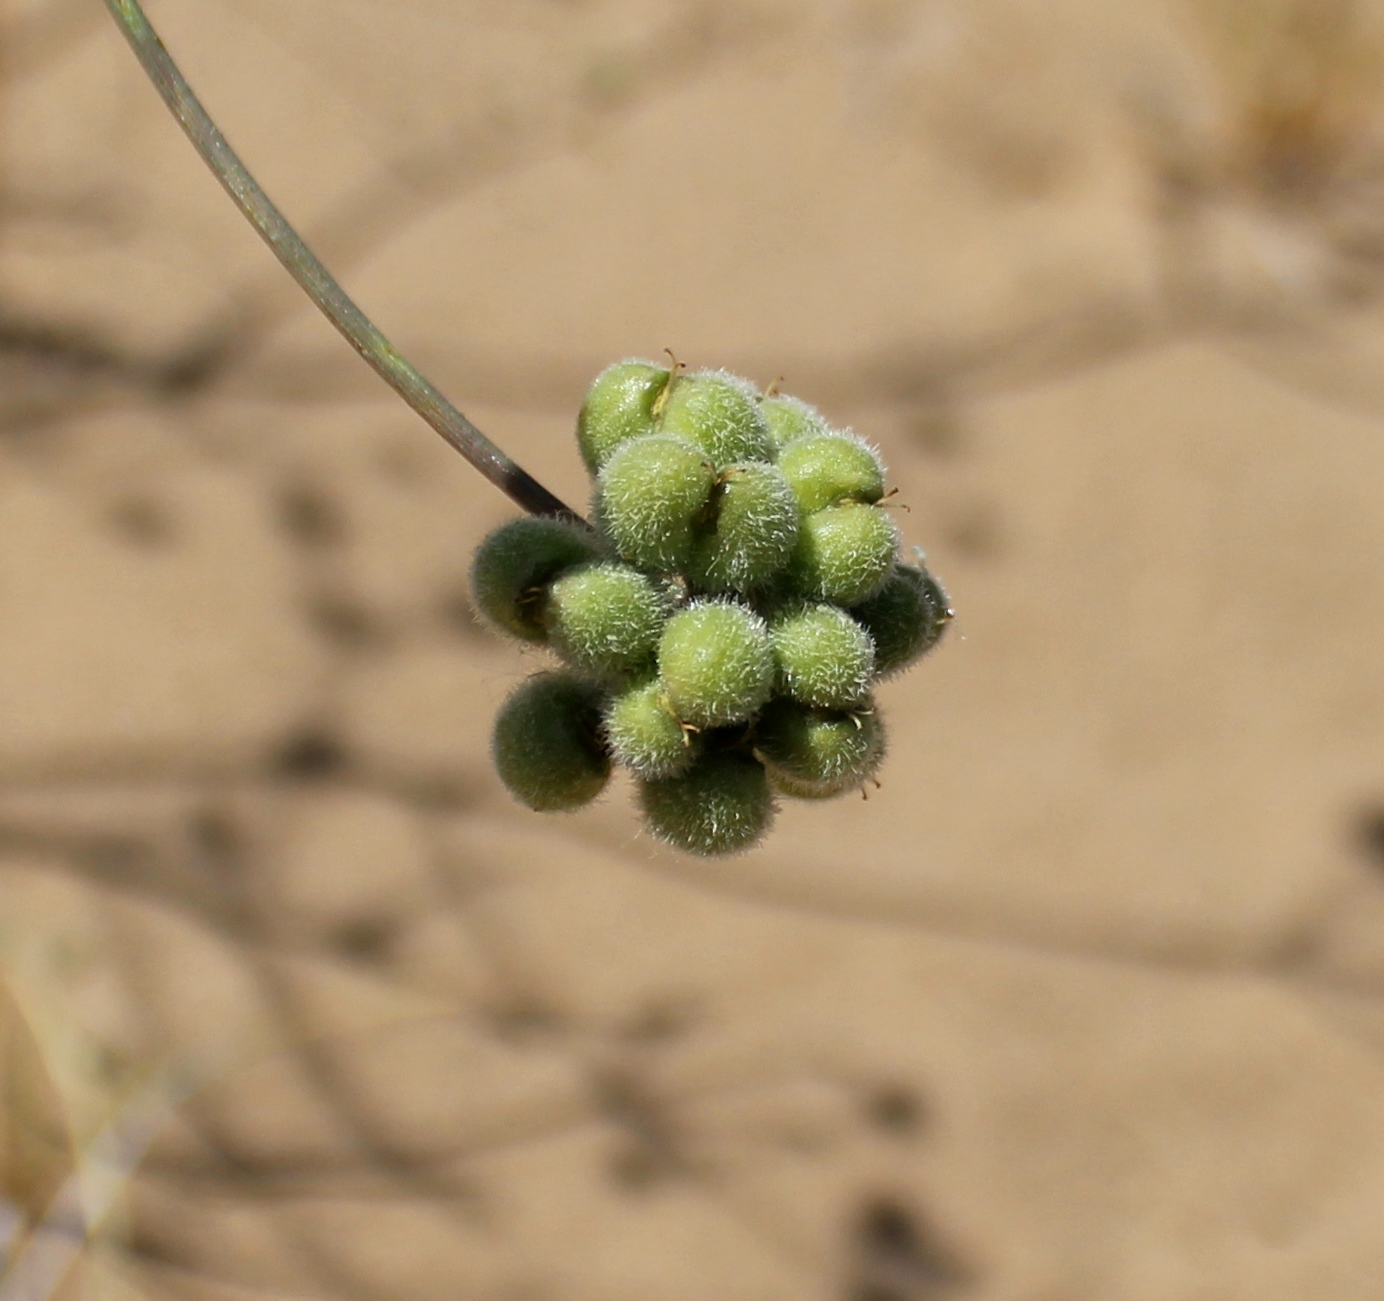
790	418
720	414
819	753
722	624
619	406
514	565
644	734
606	619
723	805
716	663
844	553
755	529
546	743
651	496
824	657
825	469
905	618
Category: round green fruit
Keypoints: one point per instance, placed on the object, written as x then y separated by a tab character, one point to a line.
606	619
825	469
824	657
546	744
651	497
716	663
515	564
754	531
844	553
619	406
719	413
790	418
644	734
722	805
905	618
818	753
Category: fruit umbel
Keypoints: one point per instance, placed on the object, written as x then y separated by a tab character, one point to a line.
722	626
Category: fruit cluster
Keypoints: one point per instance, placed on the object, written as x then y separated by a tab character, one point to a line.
723	624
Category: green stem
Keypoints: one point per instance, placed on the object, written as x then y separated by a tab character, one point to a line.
316	281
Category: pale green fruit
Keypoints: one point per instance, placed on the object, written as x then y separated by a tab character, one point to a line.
619	406
789	418
652	495
719	413
514	565
754	531
844	553
905	618
722	805
716	663
824	657
644	733
546	744
824	469
606	619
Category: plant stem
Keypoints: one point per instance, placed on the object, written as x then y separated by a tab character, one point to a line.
316	281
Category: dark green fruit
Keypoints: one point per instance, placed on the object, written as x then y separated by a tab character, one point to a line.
547	746
644	734
789	418
844	553
824	469
720	414
824	657
905	618
514	565
651	497
606	619
618	406
722	805
755	529
818	753
716	663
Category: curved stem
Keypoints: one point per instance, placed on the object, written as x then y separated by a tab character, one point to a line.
316	281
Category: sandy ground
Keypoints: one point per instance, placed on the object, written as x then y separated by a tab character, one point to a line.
1086	1004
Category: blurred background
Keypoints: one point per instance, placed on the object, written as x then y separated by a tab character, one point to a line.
1086	1004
